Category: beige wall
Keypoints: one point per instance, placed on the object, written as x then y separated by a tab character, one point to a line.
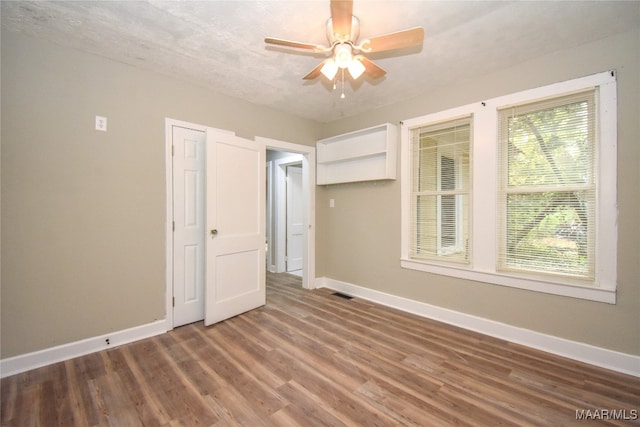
83	212
360	237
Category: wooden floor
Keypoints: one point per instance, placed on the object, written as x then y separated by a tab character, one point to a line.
310	358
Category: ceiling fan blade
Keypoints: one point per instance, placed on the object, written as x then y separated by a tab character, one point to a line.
371	69
315	72
400	39
341	17
297	45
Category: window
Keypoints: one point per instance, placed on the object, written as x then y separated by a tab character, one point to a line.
517	191
547	193
440	191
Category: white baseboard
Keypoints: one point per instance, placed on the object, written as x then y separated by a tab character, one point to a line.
620	362
37	359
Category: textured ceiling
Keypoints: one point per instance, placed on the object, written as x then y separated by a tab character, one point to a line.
220	44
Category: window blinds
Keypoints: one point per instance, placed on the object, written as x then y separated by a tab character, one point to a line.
547	186
440	191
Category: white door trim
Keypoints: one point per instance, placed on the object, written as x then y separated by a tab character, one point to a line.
271	256
309	194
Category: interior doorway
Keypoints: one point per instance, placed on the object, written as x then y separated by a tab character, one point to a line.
290	220
285	213
215	201
175	257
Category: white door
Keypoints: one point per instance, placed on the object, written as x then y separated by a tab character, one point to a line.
189	226
295	218
235	218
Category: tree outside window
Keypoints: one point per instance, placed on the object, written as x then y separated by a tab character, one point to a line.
548	193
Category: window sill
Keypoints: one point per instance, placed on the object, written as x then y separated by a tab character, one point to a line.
590	293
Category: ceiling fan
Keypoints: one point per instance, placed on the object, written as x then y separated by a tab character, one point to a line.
343	30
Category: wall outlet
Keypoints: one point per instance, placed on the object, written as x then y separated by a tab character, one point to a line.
332	203
101	123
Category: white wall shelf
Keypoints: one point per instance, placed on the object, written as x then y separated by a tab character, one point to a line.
364	155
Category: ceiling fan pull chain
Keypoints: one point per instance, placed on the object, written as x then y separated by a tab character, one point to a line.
342	96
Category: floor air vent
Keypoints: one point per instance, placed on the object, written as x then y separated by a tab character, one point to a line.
341	295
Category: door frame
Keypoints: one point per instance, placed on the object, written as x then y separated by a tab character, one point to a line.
309	194
308	185
269	216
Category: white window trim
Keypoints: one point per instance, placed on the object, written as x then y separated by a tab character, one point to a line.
482	266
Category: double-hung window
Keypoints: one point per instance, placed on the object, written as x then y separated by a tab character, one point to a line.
440	190
518	190
547	191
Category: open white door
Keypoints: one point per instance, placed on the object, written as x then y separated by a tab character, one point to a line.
295	218
235	218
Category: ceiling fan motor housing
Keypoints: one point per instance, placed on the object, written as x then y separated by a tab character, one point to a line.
334	37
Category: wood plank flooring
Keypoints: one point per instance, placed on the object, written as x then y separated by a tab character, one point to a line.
309	358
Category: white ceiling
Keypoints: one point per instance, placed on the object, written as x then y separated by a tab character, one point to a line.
220	44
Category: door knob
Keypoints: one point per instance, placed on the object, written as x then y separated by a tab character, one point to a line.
214	232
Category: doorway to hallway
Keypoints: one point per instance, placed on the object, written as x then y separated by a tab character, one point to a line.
285	213
190	280
283	248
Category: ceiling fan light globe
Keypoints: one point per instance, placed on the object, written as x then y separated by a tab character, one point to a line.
329	69
343	56
356	68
